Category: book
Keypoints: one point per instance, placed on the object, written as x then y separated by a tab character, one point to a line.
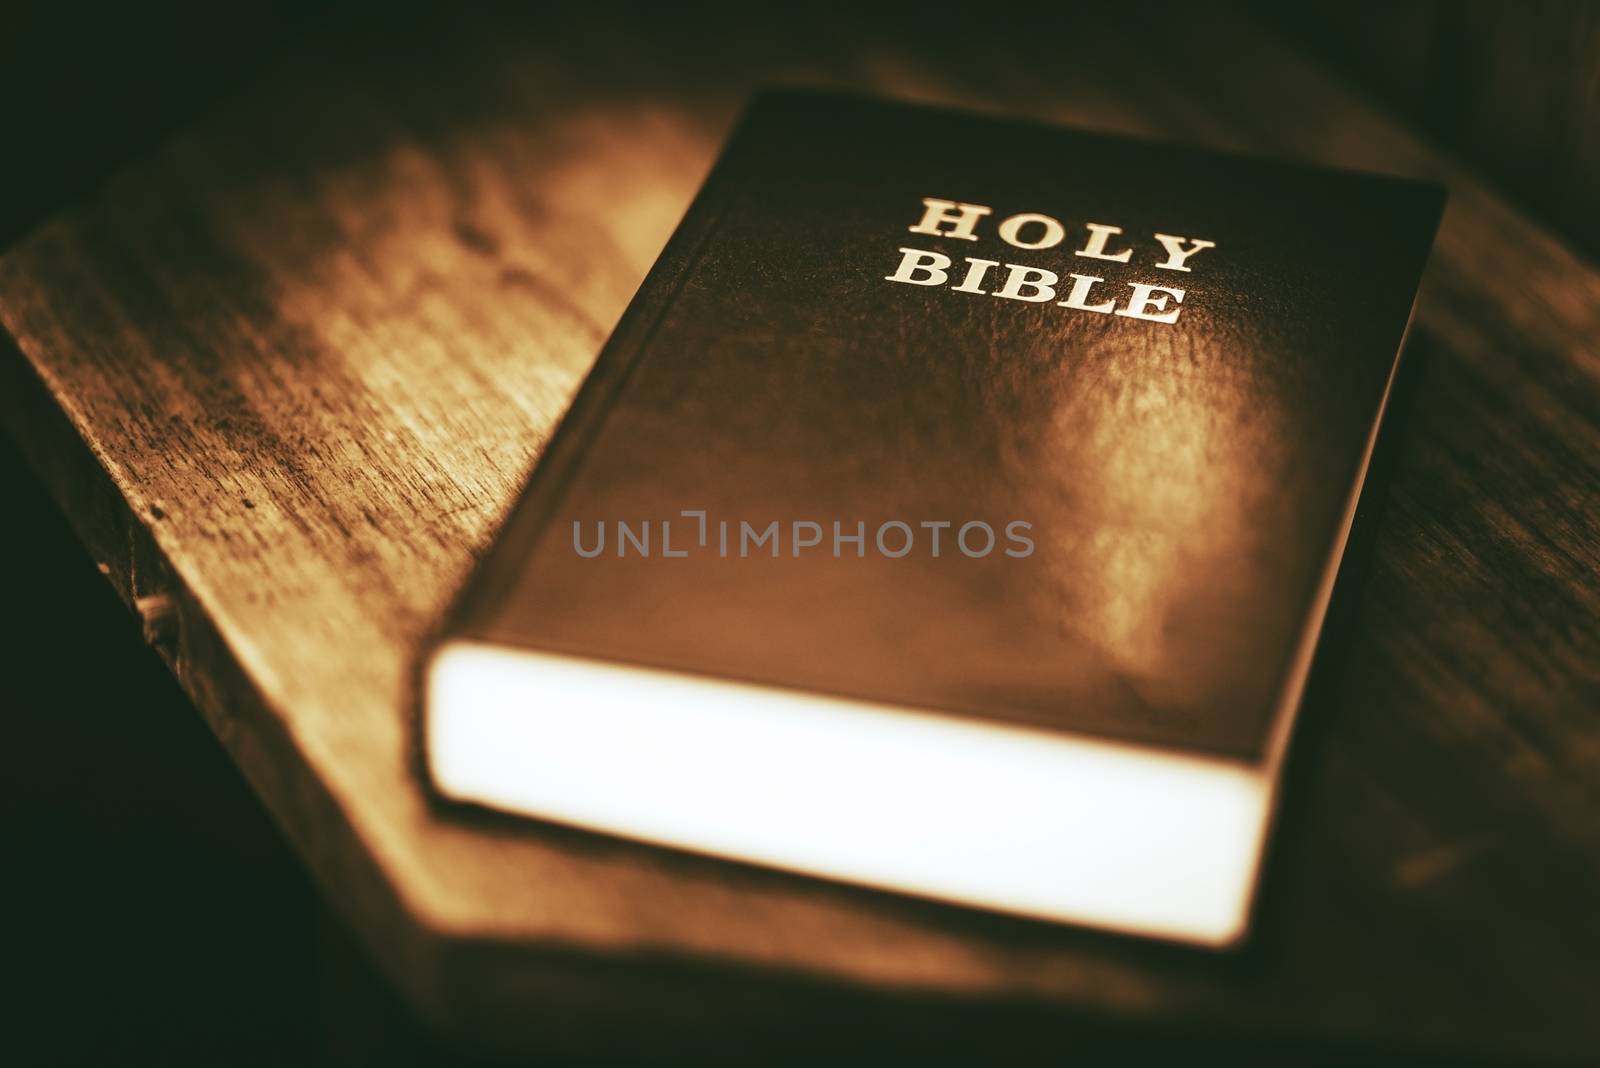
954	511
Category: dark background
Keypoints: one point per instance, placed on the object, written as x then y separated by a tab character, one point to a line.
160	916
1511	88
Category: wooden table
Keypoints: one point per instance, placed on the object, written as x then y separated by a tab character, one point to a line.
286	372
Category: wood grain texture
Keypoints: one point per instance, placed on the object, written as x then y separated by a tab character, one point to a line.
290	370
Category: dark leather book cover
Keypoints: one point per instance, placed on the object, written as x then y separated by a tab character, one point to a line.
970	422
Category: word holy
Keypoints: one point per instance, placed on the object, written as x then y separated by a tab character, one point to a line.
893	538
1032	231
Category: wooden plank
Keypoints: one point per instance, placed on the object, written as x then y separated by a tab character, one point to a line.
290	370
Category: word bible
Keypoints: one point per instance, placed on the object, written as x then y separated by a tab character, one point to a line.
954	512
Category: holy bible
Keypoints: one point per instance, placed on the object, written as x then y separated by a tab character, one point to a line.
954	511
